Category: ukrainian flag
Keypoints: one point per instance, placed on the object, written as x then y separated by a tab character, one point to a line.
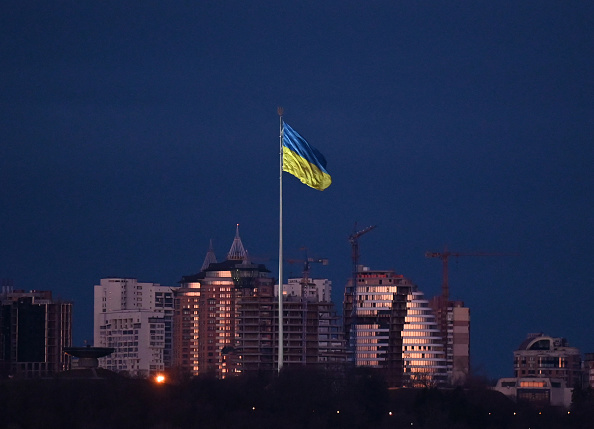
303	160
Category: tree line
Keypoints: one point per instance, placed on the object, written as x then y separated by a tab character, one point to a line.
293	399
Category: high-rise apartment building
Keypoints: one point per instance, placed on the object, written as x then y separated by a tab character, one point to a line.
312	330
226	320
311	334
34	329
453	320
136	319
207	311
422	344
390	326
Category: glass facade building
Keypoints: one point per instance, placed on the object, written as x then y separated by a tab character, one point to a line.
390	326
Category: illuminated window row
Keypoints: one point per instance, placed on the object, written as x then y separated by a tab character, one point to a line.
378	290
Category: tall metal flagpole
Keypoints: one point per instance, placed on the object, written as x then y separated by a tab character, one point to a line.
280	111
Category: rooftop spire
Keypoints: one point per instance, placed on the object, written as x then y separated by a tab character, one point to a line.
237	252
210	257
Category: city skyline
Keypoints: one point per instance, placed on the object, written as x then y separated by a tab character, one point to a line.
133	134
211	257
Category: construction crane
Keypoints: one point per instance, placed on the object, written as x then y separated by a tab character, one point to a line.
445	256
442	303
307	261
354	240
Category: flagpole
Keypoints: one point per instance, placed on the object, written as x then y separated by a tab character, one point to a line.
280	247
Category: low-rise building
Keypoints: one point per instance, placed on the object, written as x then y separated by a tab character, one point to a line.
541	355
546	371
538	391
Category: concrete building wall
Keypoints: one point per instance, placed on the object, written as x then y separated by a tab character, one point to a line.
539	391
316	289
138	338
135	318
459	368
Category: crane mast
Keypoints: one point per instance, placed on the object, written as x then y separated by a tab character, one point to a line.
354	240
442	303
307	261
445	256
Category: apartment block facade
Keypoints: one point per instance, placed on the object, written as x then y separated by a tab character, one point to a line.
207	308
226	320
136	319
453	320
312	332
34	329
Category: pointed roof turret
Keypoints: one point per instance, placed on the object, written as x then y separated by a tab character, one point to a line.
210	257
237	252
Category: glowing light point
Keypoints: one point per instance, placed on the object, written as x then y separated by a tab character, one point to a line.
160	378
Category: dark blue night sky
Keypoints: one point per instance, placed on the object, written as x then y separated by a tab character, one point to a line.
134	132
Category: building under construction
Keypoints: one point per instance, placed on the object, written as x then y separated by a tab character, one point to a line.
226	321
389	326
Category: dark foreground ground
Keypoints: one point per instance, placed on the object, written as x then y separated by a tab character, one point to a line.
295	399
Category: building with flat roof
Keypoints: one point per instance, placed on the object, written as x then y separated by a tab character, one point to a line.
539	391
309	288
34	329
312	334
136	320
453	320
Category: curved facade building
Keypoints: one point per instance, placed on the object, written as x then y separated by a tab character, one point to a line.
391	327
422	344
